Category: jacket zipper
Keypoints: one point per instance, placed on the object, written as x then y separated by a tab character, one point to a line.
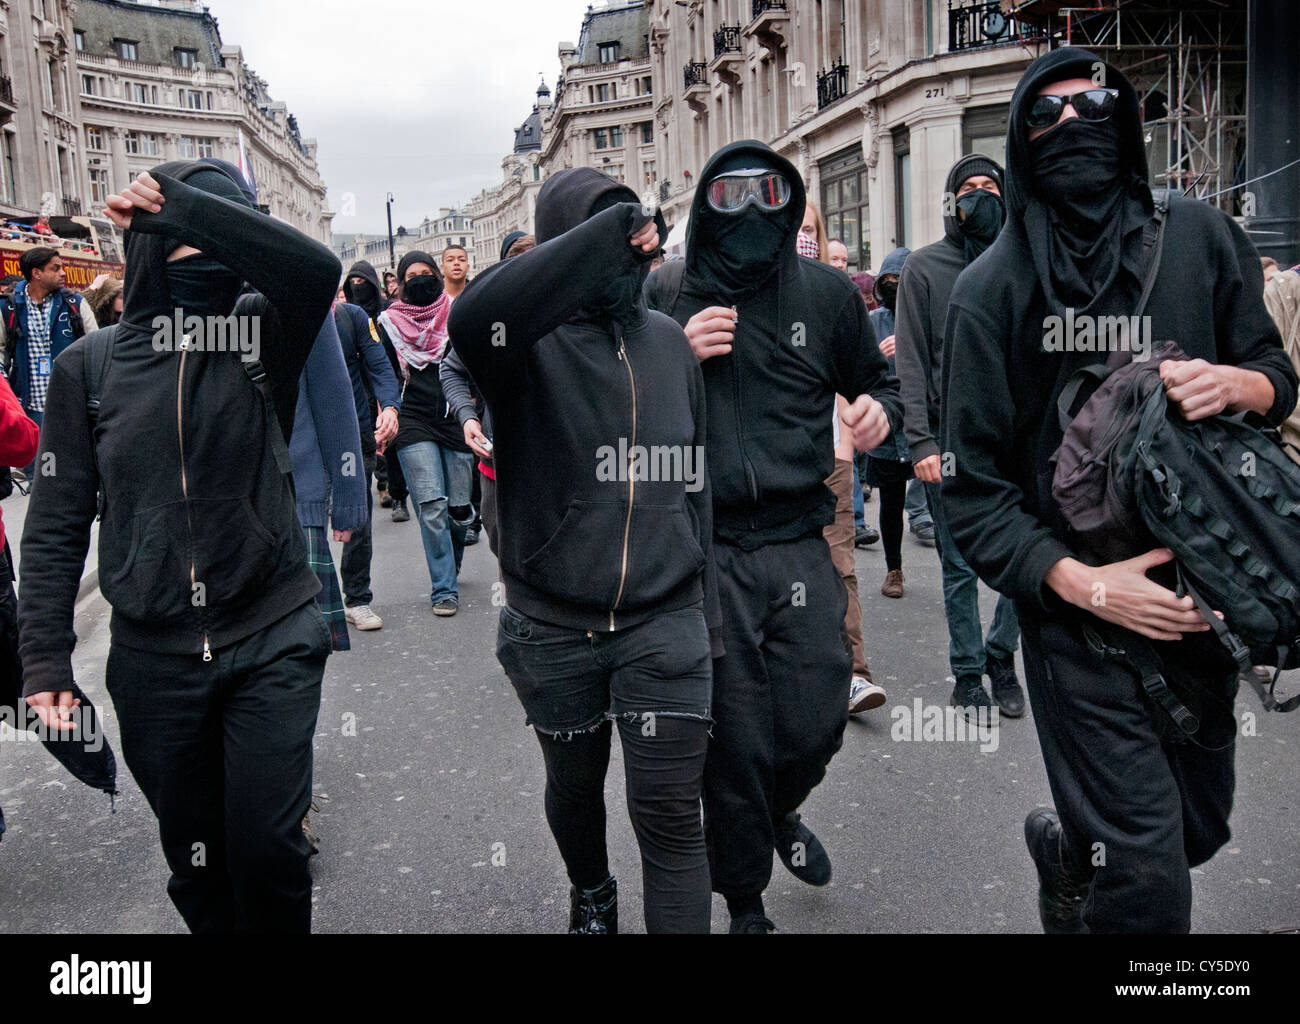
751	478
185	490
631	481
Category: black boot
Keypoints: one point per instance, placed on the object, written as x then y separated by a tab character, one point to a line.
802	852
1060	895
594	911
970	697
1007	692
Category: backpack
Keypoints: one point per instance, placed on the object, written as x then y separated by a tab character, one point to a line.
1220	492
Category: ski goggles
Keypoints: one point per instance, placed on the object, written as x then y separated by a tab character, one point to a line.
1090	105
733	191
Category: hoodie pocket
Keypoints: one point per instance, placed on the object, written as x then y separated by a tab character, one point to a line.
233	551
153	581
786	462
663	553
582	561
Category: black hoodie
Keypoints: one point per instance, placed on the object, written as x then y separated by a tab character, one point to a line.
924	289
579	375
199	545
374	305
802	337
1001	382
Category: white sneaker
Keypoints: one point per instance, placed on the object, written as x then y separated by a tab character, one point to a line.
362	617
864	695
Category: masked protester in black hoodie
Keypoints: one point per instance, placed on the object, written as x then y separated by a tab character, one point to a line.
1078	210
605	522
973	215
771	373
217	644
361	288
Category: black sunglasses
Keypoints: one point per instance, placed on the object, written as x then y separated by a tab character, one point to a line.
1090	105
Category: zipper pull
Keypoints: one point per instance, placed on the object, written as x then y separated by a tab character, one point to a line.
207	651
611	620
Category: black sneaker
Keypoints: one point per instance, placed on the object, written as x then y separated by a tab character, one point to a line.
1060	896
447	606
751	924
471	536
924	534
969	695
400	514
802	852
594	911
1007	691
864	536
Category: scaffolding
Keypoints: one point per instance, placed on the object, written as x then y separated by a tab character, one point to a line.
1187	62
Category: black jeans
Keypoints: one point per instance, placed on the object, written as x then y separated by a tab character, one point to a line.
354	566
222	751
780	700
1139	804
654	681
396	480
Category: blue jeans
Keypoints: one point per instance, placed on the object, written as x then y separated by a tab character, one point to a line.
439	480
918	511
967	645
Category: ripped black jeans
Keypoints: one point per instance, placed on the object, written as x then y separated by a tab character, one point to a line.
655	681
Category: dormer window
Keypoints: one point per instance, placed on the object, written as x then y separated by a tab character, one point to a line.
608	53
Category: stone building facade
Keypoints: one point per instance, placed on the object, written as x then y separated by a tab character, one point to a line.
873	100
156	83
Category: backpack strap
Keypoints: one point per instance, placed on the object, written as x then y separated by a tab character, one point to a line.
75	320
1105	638
668	281
98	354
257	374
1153	244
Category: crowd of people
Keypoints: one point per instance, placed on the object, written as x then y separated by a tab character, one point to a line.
695	592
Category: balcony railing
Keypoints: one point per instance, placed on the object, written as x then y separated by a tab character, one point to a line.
832	85
693	73
726	40
7	91
982	23
762	6
71	207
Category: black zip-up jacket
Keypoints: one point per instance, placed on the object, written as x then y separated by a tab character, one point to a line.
1000	383
801	338
199	545
586	540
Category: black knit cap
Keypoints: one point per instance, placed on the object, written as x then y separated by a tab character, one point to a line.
415	256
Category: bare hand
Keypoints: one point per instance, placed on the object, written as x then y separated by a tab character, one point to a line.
647	239
928	470
867	419
1122	594
711	331
887	347
1200	389
385	426
343	535
55	709
476	439
142	194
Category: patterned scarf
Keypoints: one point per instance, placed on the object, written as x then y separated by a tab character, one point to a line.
419	333
806	245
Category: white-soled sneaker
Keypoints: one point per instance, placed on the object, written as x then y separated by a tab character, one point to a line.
362	617
864	695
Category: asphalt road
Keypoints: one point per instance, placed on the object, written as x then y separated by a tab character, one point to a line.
431	795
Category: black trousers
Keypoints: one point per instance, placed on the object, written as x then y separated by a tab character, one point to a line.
222	751
780	700
396	480
1139	804
354	566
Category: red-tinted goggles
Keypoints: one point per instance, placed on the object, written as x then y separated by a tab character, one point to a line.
733	191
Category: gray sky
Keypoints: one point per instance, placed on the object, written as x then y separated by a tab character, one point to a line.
415	97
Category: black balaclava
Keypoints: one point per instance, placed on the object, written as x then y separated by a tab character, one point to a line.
198	283
983	216
887	293
366	295
1081	187
423	289
739	251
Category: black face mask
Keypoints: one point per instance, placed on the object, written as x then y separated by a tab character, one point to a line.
422	290
737	251
202	286
888	292
1077	167
363	293
984	214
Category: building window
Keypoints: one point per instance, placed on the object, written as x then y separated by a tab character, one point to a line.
616	137
604	92
537	172
89	85
193	99
602	140
53	81
646	87
140	93
984	130
95	137
608	53
187	147
647	133
186	58
126	49
207	147
903	185
10	187
142	143
844	205
651	175
614	171
79	39
98	185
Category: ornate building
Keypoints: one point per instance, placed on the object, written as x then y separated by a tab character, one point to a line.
157	83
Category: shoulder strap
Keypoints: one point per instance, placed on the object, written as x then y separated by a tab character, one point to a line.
1153	244
259	305
669	279
98	354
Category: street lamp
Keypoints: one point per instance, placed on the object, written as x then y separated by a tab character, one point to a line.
392	252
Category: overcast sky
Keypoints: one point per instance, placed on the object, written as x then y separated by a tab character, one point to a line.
412	97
